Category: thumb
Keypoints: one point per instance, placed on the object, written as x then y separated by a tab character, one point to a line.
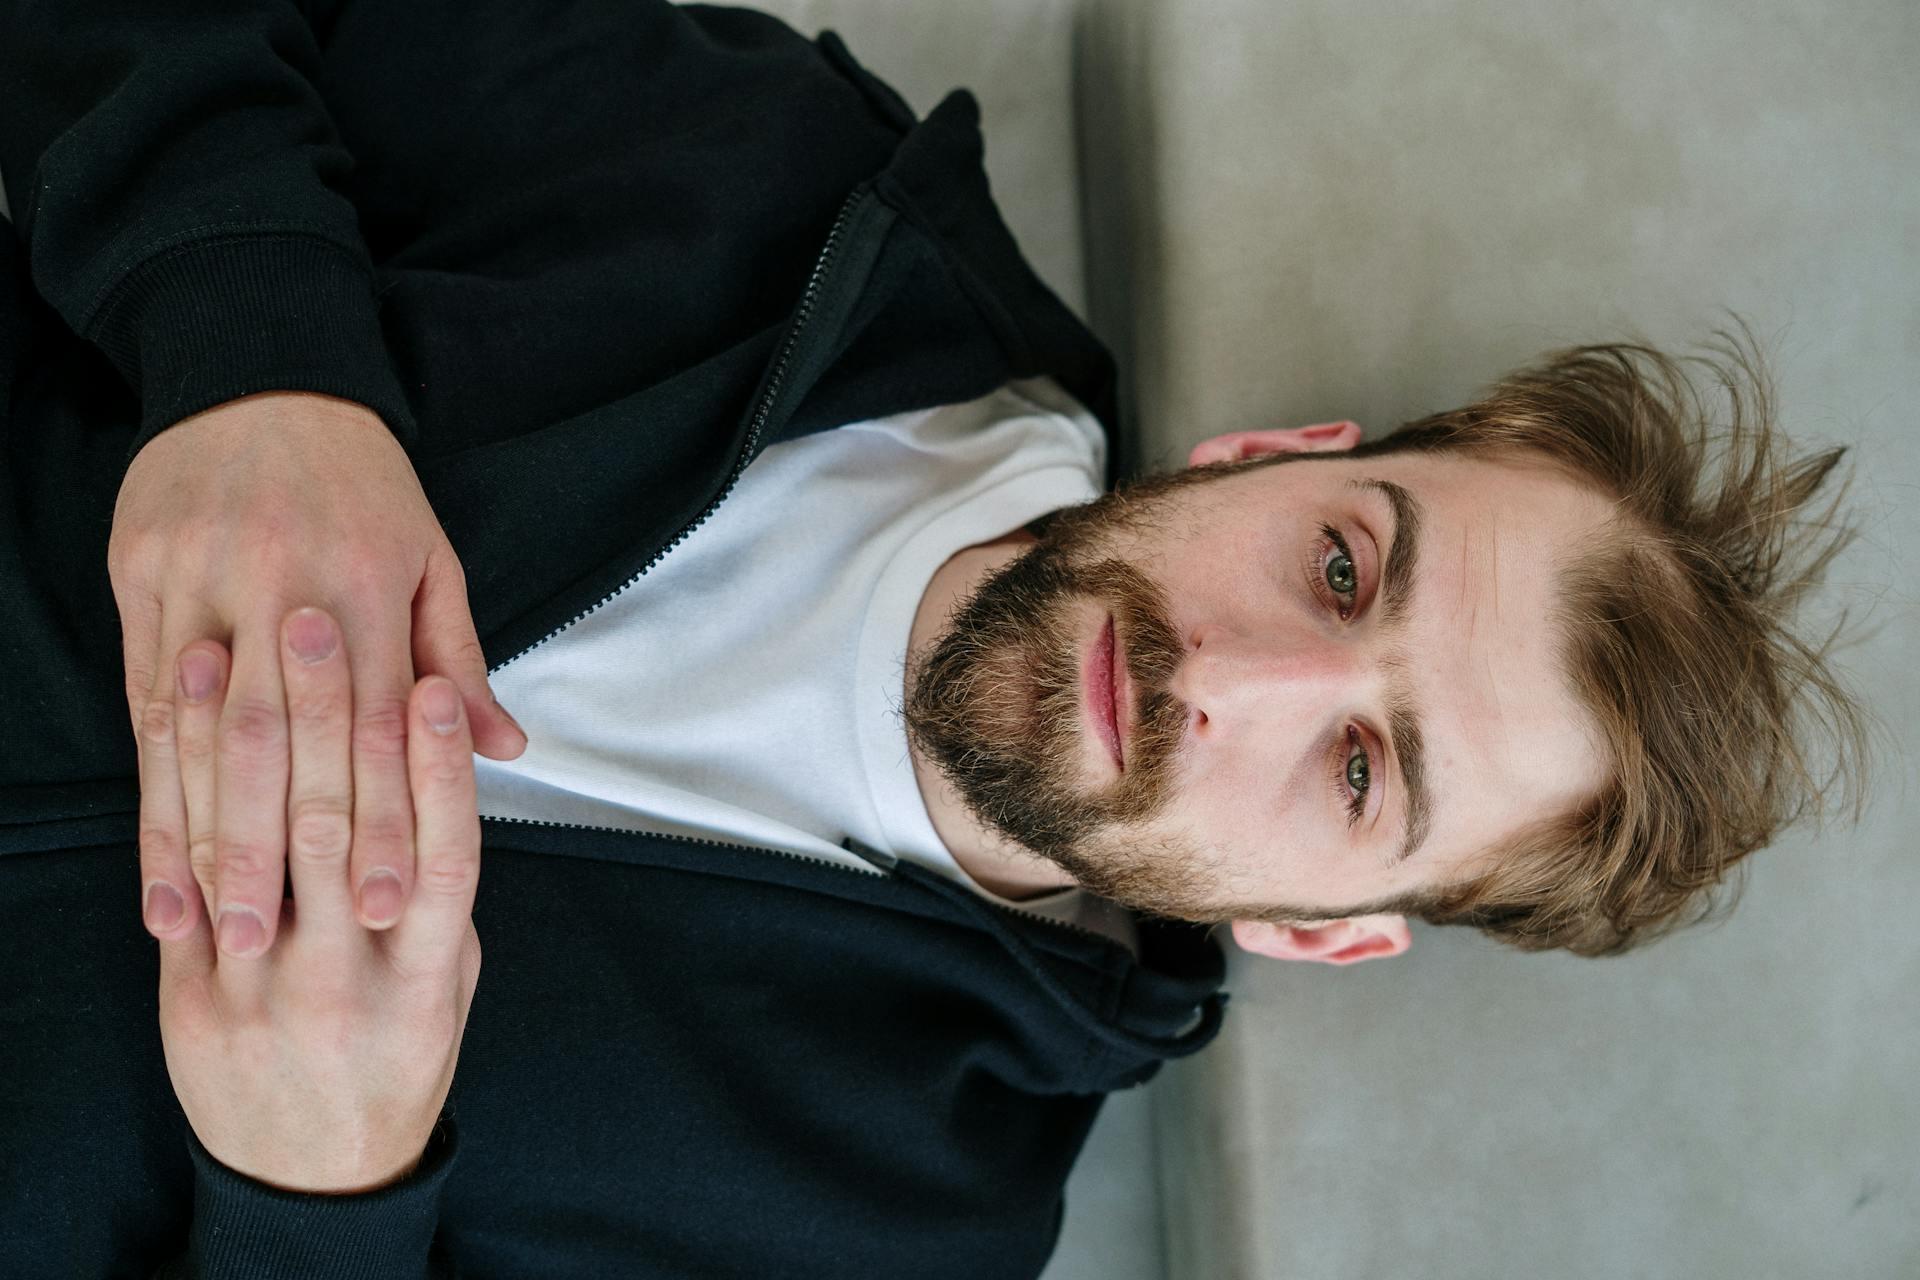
445	644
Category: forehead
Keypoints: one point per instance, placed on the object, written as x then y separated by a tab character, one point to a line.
1507	739
1485	638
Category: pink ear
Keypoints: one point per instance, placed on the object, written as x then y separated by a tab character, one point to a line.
1321	437
1334	942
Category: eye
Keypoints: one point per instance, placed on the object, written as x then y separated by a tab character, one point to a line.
1354	779
1339	573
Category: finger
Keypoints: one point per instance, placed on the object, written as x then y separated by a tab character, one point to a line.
430	936
163	818
382	858
250	794
200	675
319	689
445	644
169	896
139	639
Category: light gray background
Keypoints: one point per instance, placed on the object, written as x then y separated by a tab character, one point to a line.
1281	213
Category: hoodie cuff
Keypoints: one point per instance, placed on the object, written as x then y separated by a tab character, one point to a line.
210	321
245	1228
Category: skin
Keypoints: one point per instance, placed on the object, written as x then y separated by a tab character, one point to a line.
323	1065
1243	682
1243	669
226	522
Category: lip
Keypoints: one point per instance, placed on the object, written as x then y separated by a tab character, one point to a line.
1099	680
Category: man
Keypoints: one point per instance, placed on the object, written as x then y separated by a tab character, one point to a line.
855	715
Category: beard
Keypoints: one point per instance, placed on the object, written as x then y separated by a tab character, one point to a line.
994	705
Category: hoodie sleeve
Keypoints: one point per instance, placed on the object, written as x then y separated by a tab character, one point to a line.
176	181
247	1230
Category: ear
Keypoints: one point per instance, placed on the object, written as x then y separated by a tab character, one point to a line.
1322	437
1330	942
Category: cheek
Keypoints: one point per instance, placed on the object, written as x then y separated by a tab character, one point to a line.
1215	585
1228	809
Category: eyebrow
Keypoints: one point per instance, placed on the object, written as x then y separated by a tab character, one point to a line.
1404	736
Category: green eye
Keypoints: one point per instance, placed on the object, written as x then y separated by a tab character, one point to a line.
1337	571
1350	784
1340	575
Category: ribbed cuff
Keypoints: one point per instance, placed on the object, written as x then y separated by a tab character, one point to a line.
246	1229
207	322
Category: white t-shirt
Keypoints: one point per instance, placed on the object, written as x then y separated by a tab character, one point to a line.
748	688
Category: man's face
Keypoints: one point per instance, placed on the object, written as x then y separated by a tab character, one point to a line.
1271	686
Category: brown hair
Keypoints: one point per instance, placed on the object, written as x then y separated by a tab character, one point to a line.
1676	636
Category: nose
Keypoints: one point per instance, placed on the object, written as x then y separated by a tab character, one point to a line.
1236	683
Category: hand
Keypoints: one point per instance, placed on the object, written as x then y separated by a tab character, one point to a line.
224	522
322	1065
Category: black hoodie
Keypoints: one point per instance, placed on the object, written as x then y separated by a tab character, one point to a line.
585	261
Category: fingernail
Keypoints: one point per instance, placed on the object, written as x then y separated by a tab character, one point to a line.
198	671
241	932
380	897
165	906
441	705
509	715
311	635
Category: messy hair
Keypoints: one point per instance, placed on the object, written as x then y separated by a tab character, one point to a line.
1677	638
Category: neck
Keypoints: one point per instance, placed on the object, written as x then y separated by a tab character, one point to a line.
995	863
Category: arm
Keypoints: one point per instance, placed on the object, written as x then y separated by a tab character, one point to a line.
173	174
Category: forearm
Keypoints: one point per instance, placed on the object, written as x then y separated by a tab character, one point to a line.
176	179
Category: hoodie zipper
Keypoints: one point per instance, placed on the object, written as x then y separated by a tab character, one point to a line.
784	853
803	313
762	410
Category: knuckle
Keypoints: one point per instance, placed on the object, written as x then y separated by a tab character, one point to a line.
448	876
386	830
320	830
468	653
251	726
240	859
195	752
159	843
157	722
380	727
365	575
202	855
319	708
447	771
131	547
186	1016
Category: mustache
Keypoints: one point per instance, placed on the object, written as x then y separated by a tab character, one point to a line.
995	703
